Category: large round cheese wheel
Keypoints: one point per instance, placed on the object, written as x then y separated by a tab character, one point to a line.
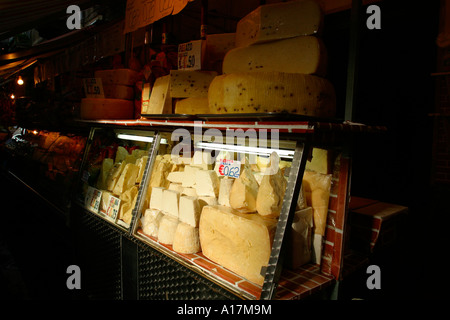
260	92
97	109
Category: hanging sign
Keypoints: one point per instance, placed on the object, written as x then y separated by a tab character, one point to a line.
140	13
228	168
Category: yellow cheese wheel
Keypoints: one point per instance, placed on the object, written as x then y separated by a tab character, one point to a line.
257	92
96	109
295	55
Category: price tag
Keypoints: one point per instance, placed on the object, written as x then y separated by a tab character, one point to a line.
229	168
93	88
190	55
146	91
92	199
113	207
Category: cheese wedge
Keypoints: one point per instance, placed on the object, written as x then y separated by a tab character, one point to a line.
279	21
305	55
207	183
190	84
167	229
156	198
160	98
175	176
239	242
207	201
321	161
258	92
190	173
114	175
170	205
186	239
176	187
192	106
189	211
271	194
190	192
141	163
244	192
127	178
224	191
202	159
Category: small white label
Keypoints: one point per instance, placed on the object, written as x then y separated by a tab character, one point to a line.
93	88
113	208
92	200
190	55
228	168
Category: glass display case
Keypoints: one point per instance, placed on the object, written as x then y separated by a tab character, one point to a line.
113	171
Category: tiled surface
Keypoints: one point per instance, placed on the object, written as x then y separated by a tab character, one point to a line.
296	284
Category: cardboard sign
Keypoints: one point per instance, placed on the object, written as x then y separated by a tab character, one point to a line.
190	55
92	199
93	88
140	13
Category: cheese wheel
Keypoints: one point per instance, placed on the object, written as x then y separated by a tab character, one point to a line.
151	221
279	21
117	91
186	239
192	106
190	84
239	242
166	231
97	109
305	55
258	92
125	77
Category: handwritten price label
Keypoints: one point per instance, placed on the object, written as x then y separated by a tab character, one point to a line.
92	199
229	168
113	207
93	88
190	55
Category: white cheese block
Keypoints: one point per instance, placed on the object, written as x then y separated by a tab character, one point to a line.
125	77
156	198
151	221
176	176
244	192
202	159
186	239
279	21
207	183
256	92
98	109
107	164
170	204
238	241
160	99
271	194
127	178
190	192
188	179
192	106
189	211
305	55
176	187
190	84
224	191
167	228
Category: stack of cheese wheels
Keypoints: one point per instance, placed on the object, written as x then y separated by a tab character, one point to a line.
278	65
118	101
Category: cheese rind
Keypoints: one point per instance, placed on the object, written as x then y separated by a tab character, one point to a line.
190	84
279	21
186	239
257	92
244	192
239	242
305	55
